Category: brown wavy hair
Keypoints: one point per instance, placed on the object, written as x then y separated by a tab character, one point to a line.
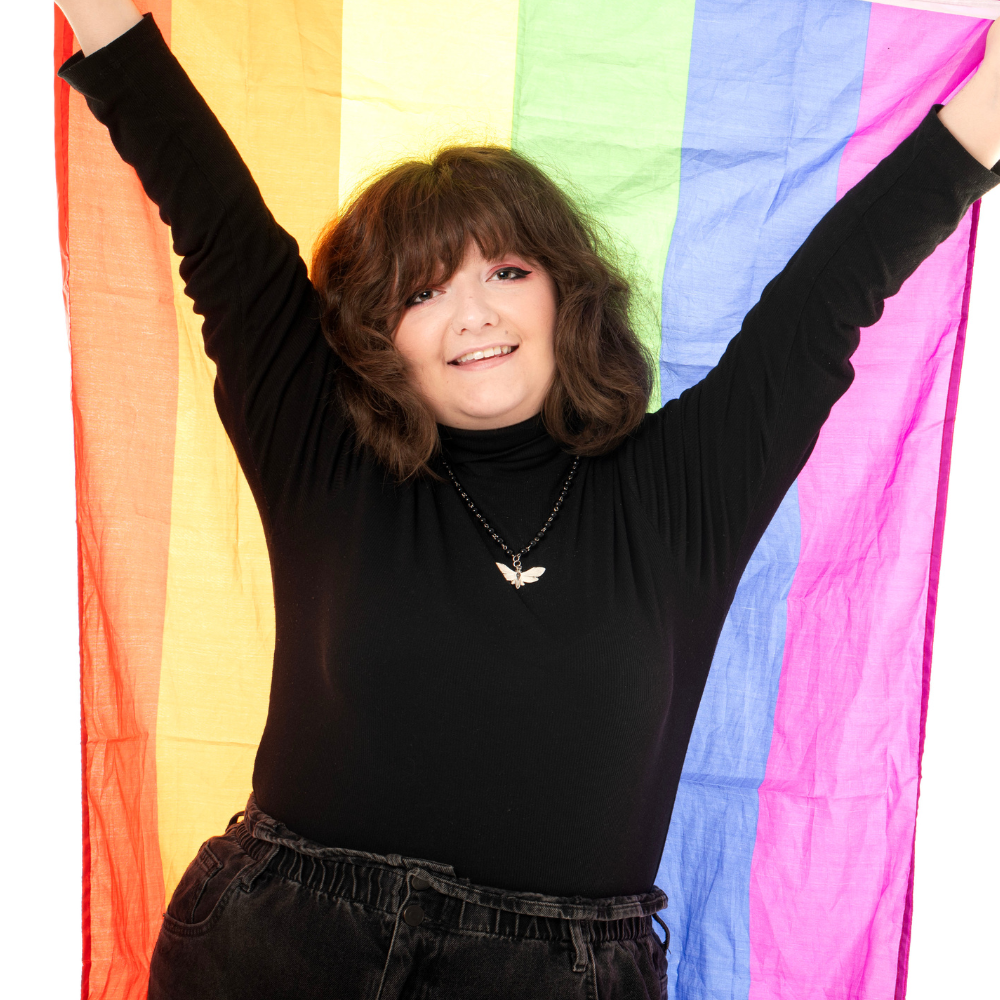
409	229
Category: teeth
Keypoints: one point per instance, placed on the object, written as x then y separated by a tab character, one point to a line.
489	352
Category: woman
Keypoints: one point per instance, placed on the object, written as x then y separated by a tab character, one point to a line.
498	582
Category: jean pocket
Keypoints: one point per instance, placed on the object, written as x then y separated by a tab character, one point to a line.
663	984
207	885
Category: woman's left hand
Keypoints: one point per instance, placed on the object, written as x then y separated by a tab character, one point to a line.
973	114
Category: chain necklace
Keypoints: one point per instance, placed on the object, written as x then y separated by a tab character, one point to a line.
517	576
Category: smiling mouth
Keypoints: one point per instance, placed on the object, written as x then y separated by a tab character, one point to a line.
483	355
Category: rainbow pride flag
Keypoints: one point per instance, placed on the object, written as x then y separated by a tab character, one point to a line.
710	136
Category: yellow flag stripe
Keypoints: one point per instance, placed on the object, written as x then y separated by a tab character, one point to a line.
419	76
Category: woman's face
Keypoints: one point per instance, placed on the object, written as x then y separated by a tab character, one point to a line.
480	344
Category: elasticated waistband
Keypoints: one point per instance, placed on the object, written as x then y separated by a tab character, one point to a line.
391	882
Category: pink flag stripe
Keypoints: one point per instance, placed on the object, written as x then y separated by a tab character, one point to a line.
831	866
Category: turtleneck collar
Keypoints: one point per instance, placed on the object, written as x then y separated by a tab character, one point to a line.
518	446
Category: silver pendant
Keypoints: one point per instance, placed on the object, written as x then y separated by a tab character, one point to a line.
519	577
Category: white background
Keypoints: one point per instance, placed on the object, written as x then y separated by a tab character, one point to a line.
955	920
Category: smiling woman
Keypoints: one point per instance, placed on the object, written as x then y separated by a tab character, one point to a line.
487	315
477	250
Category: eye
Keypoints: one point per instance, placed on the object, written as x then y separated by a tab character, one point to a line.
425	296
510	273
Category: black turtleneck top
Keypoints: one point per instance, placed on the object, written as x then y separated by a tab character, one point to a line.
420	704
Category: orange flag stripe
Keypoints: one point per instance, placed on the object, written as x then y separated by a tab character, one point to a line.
115	252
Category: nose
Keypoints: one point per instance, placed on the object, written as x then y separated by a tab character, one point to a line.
474	311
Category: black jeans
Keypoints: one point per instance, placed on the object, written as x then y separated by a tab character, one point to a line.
264	913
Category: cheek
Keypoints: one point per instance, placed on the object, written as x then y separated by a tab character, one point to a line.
545	324
414	341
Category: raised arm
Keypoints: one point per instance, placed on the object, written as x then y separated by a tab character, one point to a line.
713	465
240	267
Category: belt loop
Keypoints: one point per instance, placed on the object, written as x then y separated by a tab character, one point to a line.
581	951
249	873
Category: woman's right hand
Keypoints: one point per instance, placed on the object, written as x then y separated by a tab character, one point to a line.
97	22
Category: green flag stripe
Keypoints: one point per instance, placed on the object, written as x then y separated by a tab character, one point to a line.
599	100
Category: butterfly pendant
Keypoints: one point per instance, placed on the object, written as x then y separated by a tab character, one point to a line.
520	577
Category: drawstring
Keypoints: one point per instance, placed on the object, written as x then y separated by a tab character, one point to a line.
666	934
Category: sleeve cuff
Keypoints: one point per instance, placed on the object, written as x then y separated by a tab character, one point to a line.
95	74
953	157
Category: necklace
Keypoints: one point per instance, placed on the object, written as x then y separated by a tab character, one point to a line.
517	576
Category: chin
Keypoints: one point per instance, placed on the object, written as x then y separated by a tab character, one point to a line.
488	417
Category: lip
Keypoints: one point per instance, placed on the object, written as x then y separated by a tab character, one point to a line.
484	363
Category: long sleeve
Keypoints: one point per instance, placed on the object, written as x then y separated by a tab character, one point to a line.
712	466
242	270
